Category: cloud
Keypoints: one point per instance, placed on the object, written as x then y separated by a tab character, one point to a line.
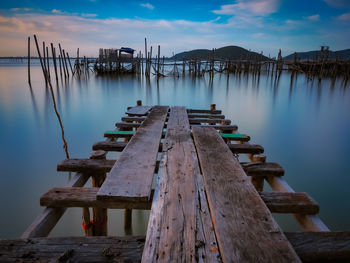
55	11
313	17
253	7
147	5
259	35
88	15
338	3
344	17
21	9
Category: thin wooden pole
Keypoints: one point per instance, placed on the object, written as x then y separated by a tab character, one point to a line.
54	60
146	68
29	81
70	64
48	63
78	62
44	61
158	73
41	62
59	61
65	62
61	58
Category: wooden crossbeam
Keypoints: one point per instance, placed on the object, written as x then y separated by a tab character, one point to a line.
138	119
203	115
72	249
258	169
127	125
86	197
119	134
208	120
321	246
299	203
204	111
244	227
85	165
246	148
138	110
131	176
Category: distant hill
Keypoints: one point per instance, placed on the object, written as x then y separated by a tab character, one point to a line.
229	52
340	54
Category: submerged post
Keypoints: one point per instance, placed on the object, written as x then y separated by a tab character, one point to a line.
41	62
29	82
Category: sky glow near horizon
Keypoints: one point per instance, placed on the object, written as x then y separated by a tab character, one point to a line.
259	25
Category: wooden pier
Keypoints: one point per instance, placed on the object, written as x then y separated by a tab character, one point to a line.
206	205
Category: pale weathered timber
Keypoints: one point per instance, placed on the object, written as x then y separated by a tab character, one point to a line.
221	127
299	203
72	249
204	111
131	176
246	148
262	169
321	246
171	232
203	115
127	125
138	110
244	227
86	197
48	218
114	146
208	120
85	165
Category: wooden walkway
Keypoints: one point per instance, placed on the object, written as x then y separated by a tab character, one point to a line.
205	205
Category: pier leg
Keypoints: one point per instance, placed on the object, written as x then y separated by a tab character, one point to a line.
99	226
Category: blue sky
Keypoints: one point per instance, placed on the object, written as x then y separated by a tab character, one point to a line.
259	25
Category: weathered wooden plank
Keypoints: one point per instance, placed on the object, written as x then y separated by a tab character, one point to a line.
235	137
244	227
127	125
86	197
321	246
138	119
258	169
109	146
299	203
138	110
85	165
171	233
131	176
119	134
49	217
72	249
203	115
246	148
203	111
208	120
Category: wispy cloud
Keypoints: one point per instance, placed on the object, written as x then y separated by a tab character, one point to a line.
147	5
338	3
20	9
56	11
344	17
313	17
255	7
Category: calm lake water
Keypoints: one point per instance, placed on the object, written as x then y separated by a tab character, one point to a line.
304	126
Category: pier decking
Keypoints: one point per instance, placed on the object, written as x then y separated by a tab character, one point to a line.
206	206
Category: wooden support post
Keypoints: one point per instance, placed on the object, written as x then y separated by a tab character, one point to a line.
48	63
212	106
99	227
65	62
41	62
59	61
54	60
146	67
86	221
78	62
158	72
70	64
44	62
29	82
61	58
139	103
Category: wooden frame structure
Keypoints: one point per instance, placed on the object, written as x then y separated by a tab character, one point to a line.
206	206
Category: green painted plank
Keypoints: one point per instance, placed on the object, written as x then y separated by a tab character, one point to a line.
114	132
234	135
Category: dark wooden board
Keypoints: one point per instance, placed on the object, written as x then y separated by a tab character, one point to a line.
72	249
299	203
246	148
138	119
244	227
204	111
131	176
204	115
321	246
138	110
109	146
175	222
258	169
127	125
208	120
86	197
85	165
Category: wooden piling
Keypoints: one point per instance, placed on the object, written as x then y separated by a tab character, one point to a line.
41	62
44	61
48	63
59	61
158	72
65	62
29	81
70	64
54	61
62	60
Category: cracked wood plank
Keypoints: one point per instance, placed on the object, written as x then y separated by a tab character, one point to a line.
244	227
